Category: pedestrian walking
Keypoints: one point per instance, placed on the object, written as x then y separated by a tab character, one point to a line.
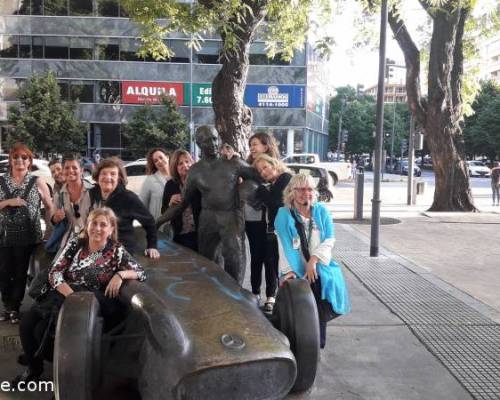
495	183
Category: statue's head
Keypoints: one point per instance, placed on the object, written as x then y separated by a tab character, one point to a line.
206	139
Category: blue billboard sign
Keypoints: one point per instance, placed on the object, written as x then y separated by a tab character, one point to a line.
275	96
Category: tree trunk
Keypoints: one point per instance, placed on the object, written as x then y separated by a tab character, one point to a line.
440	115
233	119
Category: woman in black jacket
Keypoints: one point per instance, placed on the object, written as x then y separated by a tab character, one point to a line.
184	225
110	191
275	173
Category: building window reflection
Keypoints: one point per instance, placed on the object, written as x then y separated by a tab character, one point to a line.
109	92
107	49
80	7
82	91
57	47
55	7
81	49
8	46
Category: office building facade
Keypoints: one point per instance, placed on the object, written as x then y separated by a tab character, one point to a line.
91	47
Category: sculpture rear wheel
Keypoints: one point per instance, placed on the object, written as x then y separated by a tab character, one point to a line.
77	347
296	315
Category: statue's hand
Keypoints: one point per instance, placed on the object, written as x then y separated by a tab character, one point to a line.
168	215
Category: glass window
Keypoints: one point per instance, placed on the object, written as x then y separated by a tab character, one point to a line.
209	53
25	46
57	47
181	51
109	92
36	7
9	89
258	54
37	48
80	7
55	7
64	90
81	49
8	46
82	91
128	50
107	49
110	135
108	8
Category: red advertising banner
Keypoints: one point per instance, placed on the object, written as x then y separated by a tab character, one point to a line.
139	92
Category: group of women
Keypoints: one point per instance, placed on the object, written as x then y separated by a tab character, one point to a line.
288	232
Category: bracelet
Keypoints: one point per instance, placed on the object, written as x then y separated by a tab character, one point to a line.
119	276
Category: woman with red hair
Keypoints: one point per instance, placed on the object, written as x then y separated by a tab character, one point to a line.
20	228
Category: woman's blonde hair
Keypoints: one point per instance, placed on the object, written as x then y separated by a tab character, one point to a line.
273	162
106	212
298	181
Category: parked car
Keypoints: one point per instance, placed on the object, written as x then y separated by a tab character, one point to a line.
322	178
39	168
136	173
401	167
478	168
338	170
88	166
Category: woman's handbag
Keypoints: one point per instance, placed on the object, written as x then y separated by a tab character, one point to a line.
325	310
40	285
54	242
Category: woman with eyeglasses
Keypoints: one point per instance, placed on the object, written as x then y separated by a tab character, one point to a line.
73	200
110	191
275	173
305	241
20	229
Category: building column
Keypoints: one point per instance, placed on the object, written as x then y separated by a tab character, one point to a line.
290	141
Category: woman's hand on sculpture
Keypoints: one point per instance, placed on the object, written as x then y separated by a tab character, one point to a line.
114	285
287	276
311	275
175	199
152	253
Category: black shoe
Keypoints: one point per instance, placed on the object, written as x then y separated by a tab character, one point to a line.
21	360
27	376
5	315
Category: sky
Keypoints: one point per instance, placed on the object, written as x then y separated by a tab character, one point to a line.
350	67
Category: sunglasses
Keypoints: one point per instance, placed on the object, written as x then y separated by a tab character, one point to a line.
23	157
76	210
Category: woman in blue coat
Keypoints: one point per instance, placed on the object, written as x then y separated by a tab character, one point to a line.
305	242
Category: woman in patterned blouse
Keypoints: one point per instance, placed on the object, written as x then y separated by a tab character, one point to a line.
94	261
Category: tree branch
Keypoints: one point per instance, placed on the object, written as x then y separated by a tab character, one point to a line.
458	64
411	53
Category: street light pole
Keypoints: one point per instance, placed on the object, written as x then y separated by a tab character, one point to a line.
375	226
341	112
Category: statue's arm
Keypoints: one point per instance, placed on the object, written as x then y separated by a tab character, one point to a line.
248	172
174	211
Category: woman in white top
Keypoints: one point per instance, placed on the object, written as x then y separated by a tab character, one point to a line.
157	168
305	241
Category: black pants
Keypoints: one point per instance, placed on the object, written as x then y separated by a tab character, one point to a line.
263	252
189	240
14	263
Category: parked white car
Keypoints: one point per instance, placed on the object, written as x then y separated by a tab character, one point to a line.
478	168
321	176
39	168
338	170
136	174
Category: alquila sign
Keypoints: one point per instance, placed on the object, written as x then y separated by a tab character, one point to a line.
138	92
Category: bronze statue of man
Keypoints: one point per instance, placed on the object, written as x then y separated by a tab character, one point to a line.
221	219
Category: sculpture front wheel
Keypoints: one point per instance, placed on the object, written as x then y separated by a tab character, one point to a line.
77	348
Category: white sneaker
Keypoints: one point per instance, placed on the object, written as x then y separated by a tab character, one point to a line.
269	304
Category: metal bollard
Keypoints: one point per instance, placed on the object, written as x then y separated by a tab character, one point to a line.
359	185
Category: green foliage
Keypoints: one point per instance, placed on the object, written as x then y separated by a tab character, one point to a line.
482	129
43	120
157	127
287	22
358	118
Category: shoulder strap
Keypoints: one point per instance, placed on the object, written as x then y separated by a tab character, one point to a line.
29	186
304	245
5	187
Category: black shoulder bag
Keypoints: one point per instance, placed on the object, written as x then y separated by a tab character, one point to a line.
325	310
